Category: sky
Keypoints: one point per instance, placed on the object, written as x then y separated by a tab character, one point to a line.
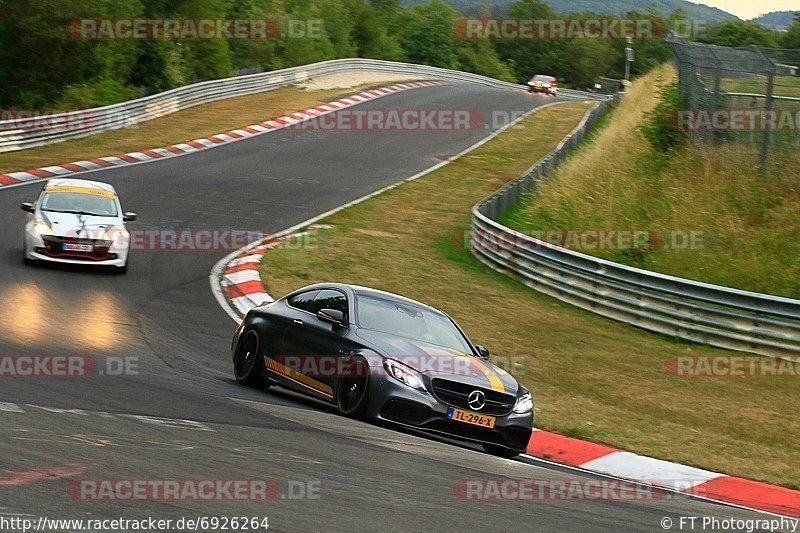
747	9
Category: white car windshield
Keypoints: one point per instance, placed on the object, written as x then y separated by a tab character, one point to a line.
410	321
546	79
81	203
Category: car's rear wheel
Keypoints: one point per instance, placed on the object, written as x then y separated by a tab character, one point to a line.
500	451
246	364
351	391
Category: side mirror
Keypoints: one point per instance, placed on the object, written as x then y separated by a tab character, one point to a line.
27	207
331	316
483	351
129	217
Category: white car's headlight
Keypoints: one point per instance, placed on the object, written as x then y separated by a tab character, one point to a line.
112	233
117	235
41	227
404	374
524	404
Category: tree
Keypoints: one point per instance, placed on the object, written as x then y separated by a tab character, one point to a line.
427	34
369	34
791	39
741	33
533	56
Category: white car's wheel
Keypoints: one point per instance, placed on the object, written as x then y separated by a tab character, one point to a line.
25	259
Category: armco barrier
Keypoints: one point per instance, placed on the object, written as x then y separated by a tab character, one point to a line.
56	128
691	310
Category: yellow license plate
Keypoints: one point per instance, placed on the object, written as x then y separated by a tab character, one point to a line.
469	417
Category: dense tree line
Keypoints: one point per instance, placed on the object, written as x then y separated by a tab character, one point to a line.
43	65
745	32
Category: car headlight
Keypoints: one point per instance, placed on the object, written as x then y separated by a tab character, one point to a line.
546	85
41	227
116	235
404	374
524	403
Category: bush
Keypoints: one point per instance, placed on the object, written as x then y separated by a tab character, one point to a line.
660	126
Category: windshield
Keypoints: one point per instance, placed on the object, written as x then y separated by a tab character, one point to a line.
548	79
75	202
411	322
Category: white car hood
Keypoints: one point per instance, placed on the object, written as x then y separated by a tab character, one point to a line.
82	226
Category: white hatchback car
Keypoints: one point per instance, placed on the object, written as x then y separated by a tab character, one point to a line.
79	222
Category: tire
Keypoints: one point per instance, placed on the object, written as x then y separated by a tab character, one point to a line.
246	360
352	391
25	259
500	451
121	270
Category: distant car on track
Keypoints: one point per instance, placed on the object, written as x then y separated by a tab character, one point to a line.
543	84
78	222
384	357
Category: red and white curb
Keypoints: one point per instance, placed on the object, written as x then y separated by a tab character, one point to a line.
240	282
687	479
196	145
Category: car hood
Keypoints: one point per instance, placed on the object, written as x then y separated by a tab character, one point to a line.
438	362
74	225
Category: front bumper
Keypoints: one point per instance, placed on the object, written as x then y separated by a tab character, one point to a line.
394	402
545	90
37	249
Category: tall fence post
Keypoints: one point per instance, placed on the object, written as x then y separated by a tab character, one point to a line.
766	135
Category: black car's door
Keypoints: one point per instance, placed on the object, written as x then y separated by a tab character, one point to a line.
312	347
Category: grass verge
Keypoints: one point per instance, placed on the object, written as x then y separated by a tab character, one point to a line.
746	227
592	378
200	121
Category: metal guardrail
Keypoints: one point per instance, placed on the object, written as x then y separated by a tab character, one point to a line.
690	310
18	134
774	97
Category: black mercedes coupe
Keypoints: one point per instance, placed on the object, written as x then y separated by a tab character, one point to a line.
383	357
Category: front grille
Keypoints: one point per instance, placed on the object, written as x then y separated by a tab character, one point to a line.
53	248
456	393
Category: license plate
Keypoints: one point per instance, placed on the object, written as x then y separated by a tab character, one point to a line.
69	247
469	417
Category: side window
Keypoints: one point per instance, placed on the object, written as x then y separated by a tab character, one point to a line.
303	300
329	299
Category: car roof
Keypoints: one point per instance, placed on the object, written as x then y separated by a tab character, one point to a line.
360	290
74	182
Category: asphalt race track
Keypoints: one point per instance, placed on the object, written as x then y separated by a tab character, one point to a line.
163	315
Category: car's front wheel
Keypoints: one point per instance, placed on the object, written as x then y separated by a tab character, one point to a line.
351	391
25	259
500	451
246	364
